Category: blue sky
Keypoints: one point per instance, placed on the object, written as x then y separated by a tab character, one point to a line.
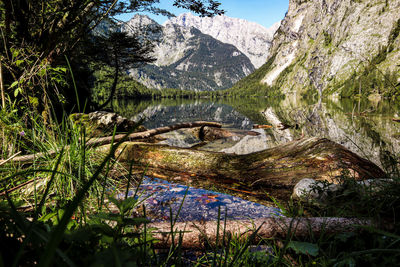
264	12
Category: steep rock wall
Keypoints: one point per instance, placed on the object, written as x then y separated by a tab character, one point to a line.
324	45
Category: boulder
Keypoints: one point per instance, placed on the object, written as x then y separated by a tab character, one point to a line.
309	189
103	122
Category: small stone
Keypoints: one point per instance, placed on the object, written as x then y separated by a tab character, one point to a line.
310	189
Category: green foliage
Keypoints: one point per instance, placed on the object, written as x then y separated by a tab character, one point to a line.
327	39
395	32
252	86
372	79
305	248
36	36
127	87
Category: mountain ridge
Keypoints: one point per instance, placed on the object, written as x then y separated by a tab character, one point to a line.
187	58
251	38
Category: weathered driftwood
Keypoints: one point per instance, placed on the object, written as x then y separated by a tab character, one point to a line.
206	133
197	235
285	165
116	138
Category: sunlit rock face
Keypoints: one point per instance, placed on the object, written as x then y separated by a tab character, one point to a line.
250	38
321	43
186	58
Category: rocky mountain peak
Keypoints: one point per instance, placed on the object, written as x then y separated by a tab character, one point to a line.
250	38
186	58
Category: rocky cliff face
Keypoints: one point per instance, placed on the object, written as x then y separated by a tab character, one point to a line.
250	38
329	46
187	58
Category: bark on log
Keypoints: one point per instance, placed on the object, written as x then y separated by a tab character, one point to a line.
107	140
285	165
198	235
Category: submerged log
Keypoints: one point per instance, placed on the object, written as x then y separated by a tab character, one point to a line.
199	235
284	165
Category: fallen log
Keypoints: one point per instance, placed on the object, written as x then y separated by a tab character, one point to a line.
107	140
199	235
284	165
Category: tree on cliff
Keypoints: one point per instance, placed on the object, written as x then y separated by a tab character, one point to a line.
36	35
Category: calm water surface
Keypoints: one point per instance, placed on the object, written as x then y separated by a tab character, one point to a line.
364	127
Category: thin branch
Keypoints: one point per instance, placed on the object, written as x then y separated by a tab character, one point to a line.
17	187
3	97
10	158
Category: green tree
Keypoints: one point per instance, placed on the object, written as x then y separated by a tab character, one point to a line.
120	51
37	34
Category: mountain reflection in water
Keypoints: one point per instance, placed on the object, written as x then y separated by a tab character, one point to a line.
364	127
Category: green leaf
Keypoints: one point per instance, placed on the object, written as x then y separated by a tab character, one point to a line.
47	216
108	216
34	101
15	52
128	204
42	72
102	229
19	62
17	91
304	248
14	84
115	201
60	69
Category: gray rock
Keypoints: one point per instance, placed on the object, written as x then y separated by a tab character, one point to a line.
310	189
107	120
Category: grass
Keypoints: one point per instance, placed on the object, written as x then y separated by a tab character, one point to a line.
71	216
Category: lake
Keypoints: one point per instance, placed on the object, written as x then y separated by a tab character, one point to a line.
364	127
